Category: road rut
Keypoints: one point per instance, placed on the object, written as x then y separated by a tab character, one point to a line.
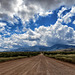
38	65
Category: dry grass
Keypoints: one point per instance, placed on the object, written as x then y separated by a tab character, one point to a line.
63	57
3	59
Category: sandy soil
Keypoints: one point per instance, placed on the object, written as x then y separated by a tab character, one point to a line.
38	65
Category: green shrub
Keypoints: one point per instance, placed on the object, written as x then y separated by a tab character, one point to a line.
67	56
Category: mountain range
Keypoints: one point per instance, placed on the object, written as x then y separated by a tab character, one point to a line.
44	48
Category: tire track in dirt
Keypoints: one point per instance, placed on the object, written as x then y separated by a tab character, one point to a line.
38	65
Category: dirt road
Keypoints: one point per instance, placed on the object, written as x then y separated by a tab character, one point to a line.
38	65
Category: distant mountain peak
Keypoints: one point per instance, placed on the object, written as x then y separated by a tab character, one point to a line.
44	48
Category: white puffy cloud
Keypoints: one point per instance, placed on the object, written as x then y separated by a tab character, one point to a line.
61	11
45	13
46	36
2	24
26	9
67	17
18	8
73	9
67	20
56	34
74	22
2	27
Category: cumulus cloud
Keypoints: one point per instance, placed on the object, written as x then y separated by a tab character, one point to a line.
8	5
74	22
56	34
26	9
67	17
2	24
45	13
50	4
19	8
61	11
46	36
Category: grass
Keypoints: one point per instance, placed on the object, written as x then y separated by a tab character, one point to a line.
63	56
15	54
68	56
3	59
6	56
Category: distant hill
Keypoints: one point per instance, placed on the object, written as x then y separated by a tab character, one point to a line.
44	48
61	46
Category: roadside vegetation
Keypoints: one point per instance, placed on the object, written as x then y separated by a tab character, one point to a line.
67	56
6	56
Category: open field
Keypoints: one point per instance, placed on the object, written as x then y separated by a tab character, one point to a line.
67	56
37	65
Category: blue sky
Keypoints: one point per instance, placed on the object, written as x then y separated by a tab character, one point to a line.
30	25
